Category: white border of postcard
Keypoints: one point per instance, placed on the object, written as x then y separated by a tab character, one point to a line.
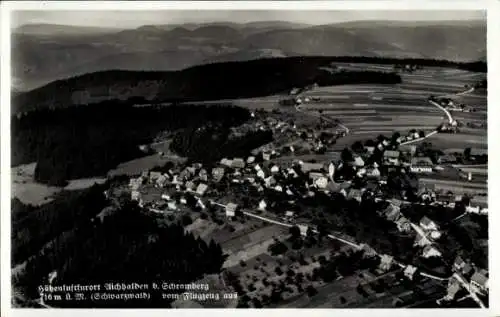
493	45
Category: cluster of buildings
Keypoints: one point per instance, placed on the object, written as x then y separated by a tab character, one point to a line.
474	279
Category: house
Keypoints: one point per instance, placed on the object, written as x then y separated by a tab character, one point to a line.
135	195
275	169
218	174
410	271
391	157
358	161
172	205
392	213
250	159
321	182
278	188
386	262
421	165
453	288
270	181
261	174
403	224
162	181
238	163
145	174
201	189
262	205
373	172
226	162
135	183
435	235
266	156
429	251
361	172
153	176
231	209
292	172
479	282
422	241
303	229
459	264
190	185
200	203
428	224
370	149
475	210
354	194
289	214
203	174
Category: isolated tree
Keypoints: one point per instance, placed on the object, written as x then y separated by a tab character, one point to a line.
295	232
346	155
357	147
467	152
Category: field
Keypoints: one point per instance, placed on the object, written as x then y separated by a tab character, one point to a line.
30	192
137	166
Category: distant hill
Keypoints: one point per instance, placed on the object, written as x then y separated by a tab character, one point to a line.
39	58
228	80
58	30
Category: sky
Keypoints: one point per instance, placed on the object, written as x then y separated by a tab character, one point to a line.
133	19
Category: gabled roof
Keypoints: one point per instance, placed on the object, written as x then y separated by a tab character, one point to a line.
480	279
426	221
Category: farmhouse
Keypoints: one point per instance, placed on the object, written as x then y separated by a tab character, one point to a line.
231	209
358	161
303	229
218	174
409	271
479	282
391	157
386	262
262	205
429	251
403	224
238	163
162	181
226	162
428	224
201	189
354	194
421	165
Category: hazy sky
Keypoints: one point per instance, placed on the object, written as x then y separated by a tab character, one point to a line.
132	19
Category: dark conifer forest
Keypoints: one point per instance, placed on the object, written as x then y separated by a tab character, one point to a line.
126	246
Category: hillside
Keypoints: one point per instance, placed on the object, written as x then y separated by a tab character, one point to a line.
216	81
39	58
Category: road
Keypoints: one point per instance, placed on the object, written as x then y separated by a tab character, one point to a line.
333	237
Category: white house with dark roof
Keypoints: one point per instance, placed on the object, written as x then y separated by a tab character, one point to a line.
410	271
427	224
231	209
430	251
201	189
391	157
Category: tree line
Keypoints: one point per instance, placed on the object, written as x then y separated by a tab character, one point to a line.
87	141
127	246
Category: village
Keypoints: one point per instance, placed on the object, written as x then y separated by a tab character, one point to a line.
246	187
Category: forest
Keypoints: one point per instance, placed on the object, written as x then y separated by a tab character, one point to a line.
34	227
216	81
127	246
87	141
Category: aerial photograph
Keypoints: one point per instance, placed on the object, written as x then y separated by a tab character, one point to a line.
249	159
